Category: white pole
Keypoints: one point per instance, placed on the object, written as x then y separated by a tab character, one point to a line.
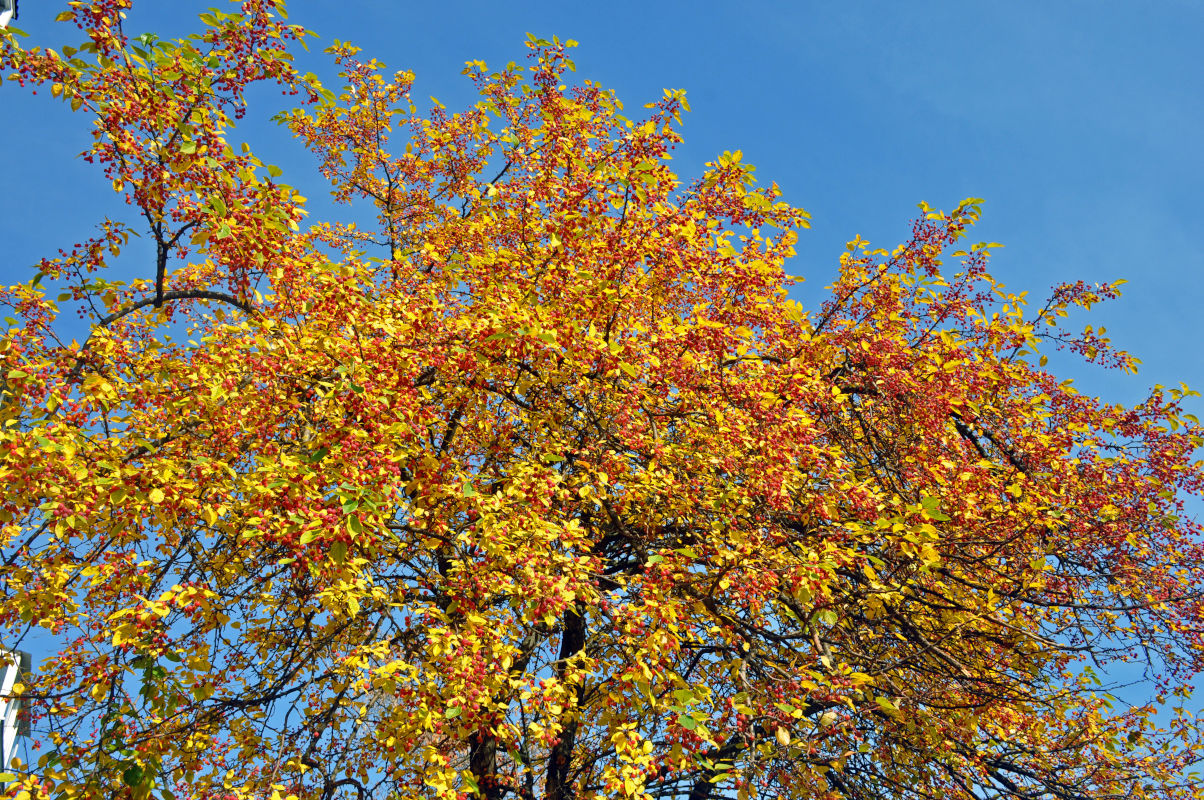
8	11
15	664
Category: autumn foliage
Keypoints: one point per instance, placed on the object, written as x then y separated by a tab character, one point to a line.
527	478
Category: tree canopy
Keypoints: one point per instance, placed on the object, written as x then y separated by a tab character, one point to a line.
528	479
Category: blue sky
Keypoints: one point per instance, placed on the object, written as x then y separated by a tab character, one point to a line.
1078	122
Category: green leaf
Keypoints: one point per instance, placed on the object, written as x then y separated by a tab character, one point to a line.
687	722
133	776
887	707
275	171
319	454
932	506
453	712
338	552
308	537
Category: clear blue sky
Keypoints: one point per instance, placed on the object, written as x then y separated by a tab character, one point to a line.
1079	123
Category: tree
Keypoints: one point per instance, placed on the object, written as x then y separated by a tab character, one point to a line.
537	485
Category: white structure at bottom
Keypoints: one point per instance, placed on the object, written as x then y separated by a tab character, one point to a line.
8	11
14	663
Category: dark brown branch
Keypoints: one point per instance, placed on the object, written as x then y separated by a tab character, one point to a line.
178	294
572	642
175	294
